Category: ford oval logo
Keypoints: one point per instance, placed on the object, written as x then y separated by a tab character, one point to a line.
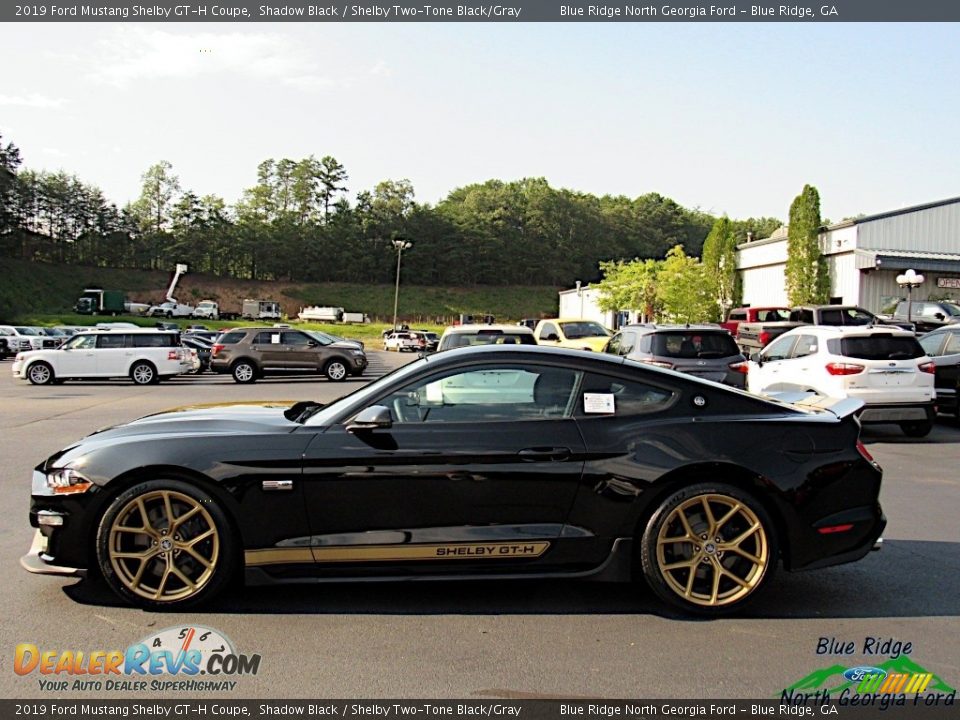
857	674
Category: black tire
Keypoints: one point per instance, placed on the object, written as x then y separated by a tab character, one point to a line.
244	371
219	550
144	373
336	370
663	564
169	314
40	373
917	429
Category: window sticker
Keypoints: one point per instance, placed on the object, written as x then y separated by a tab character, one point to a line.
598	403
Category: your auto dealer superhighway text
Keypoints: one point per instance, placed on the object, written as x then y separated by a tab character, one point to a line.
384	710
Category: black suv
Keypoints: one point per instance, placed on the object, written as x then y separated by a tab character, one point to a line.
929	315
251	353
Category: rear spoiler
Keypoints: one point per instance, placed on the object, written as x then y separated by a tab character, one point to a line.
841	407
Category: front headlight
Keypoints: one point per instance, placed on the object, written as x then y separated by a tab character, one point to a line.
357	352
67	481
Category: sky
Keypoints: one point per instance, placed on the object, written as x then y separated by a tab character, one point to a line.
728	118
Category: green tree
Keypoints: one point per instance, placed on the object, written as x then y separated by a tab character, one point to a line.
160	187
332	177
807	274
630	286
682	288
720	267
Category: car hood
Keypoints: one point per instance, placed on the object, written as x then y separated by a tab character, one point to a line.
211	419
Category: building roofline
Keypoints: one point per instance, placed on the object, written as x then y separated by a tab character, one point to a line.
894	213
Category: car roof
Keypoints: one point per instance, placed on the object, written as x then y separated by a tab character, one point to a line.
842	330
515	329
654	327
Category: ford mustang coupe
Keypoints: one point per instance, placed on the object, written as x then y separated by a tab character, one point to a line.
489	462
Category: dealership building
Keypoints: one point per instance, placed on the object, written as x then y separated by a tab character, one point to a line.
865	256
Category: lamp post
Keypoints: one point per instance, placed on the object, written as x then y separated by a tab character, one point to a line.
400	245
580	297
910	280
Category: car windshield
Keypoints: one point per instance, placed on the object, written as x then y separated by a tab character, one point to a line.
694	344
26	330
320	337
951	309
326	414
583	329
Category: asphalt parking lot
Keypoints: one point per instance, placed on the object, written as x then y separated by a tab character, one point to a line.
522	639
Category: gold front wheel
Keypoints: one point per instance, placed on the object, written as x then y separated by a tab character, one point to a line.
161	544
709	548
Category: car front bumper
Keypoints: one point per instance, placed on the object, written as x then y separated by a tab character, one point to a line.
37	560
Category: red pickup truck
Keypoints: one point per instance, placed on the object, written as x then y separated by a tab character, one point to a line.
752	315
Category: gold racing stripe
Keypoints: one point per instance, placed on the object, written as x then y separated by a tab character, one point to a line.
396	553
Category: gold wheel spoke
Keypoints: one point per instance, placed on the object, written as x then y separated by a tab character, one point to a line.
197	556
135	582
678	565
147	525
168	509
743	553
708	513
678	539
686	523
733	511
743	536
132	530
163	580
716	583
186	516
186	581
693	576
143	555
739	581
202	536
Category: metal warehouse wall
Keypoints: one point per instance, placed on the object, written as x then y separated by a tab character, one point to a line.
931	230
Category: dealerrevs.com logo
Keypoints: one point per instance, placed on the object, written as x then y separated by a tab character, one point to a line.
193	658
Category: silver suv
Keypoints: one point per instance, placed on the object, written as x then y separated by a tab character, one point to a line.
706	351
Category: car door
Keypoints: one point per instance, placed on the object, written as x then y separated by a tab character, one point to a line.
478	470
78	357
549	334
301	350
273	353
766	375
944	349
113	355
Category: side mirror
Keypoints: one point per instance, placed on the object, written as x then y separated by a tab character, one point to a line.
312	343
371	418
940	316
757	358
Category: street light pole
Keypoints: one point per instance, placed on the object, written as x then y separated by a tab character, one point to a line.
400	245
910	280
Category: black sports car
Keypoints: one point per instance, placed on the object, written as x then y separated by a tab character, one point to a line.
496	461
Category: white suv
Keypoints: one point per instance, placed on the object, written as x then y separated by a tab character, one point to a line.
885	367
145	356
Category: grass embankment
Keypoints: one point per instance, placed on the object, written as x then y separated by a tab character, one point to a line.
28	289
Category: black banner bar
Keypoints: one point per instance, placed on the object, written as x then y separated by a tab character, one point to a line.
879	707
480	11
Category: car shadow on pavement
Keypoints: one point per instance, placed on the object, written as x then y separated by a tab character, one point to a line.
908	578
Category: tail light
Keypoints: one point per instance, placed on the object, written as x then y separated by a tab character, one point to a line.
844	368
659	363
173	355
215	350
864	453
764	338
829	530
928	367
740	367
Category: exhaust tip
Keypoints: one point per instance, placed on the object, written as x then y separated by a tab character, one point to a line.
878	544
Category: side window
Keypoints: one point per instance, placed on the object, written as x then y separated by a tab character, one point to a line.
488	394
109	341
803	316
84	342
549	329
931	343
153	340
779	349
735	316
645	343
267	338
231	338
613	347
953	344
806	345
629	342
831	317
602	395
295	338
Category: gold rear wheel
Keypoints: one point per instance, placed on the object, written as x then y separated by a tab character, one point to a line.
163	546
708	548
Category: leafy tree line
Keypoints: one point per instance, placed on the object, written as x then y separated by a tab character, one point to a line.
683	288
298	222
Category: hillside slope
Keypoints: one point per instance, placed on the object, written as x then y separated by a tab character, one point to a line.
27	287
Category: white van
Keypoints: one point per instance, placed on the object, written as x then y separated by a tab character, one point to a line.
146	356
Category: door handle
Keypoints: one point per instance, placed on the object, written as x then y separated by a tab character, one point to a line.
556	454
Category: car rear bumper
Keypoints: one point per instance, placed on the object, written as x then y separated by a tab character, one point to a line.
898	412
